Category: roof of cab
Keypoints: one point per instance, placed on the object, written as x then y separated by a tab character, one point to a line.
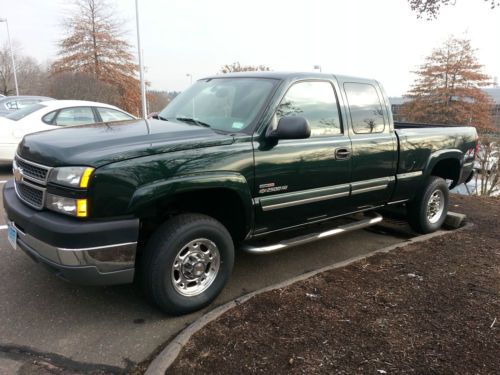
288	76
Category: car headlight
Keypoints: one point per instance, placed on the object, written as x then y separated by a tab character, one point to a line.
76	177
65	205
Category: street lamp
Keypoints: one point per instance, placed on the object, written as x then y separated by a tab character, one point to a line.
141	67
317	67
190	77
11	54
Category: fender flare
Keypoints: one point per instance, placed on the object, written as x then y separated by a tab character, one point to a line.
148	194
436	157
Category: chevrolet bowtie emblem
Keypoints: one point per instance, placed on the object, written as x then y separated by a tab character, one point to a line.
18	174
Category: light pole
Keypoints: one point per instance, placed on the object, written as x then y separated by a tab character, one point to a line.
191	82
317	67
141	67
11	55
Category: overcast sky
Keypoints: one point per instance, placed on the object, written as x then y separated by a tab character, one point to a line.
379	39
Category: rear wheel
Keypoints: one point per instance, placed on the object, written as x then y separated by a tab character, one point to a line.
427	211
187	262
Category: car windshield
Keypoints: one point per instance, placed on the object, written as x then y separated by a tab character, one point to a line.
23	112
227	104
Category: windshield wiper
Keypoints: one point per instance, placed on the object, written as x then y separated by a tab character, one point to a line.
161	118
193	121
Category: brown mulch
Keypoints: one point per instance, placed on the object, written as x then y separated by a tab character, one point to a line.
428	308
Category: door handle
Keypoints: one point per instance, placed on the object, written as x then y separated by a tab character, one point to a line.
342	153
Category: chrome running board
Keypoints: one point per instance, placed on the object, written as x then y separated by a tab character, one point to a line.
300	240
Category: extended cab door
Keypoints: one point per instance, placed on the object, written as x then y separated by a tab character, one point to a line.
374	144
303	180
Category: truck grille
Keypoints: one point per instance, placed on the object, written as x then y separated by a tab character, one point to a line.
33	196
32	170
30	180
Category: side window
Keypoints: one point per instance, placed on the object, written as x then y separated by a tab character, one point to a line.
110	114
49	117
367	113
75	116
316	102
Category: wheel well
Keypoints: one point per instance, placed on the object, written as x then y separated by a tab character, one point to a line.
449	169
223	205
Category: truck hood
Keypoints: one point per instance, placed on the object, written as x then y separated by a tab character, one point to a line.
99	144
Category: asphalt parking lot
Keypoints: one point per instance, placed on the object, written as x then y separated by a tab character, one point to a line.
90	328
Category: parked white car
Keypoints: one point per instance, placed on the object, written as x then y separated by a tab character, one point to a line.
50	115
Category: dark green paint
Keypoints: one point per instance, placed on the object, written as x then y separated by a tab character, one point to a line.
140	164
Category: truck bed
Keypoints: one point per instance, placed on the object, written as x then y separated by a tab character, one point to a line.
411	125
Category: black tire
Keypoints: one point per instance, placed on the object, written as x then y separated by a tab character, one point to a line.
161	251
417	207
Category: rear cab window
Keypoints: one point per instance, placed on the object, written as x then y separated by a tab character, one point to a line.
365	107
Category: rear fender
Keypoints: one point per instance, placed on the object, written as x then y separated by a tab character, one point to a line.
438	156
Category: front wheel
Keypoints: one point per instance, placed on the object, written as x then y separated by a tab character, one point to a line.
187	262
427	211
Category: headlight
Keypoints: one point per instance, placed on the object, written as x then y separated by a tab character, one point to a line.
65	205
76	177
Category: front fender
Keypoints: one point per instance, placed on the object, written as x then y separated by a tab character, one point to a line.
147	195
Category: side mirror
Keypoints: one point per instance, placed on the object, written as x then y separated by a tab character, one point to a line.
291	127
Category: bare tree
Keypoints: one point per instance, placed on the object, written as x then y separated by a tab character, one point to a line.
82	86
30	75
487	166
237	67
430	8
94	45
157	100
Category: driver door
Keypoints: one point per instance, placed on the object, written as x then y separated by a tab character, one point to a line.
303	180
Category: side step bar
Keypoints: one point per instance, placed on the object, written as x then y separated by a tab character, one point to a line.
288	243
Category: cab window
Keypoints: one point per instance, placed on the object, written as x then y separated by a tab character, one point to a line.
367	115
316	101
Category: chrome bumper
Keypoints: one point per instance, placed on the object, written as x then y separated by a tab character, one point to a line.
107	258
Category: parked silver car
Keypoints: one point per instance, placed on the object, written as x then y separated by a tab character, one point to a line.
9	104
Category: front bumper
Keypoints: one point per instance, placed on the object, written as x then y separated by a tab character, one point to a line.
94	252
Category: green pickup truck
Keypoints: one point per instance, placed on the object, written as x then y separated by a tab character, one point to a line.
236	162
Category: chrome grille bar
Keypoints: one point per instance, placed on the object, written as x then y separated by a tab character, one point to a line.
30	180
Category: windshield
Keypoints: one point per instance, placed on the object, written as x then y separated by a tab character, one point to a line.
23	112
227	104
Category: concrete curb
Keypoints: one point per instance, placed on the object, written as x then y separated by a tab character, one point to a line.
167	356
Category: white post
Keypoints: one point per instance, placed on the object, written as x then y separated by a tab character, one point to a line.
11	55
141	68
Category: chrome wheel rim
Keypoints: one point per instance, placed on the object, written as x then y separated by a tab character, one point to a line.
435	206
195	267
